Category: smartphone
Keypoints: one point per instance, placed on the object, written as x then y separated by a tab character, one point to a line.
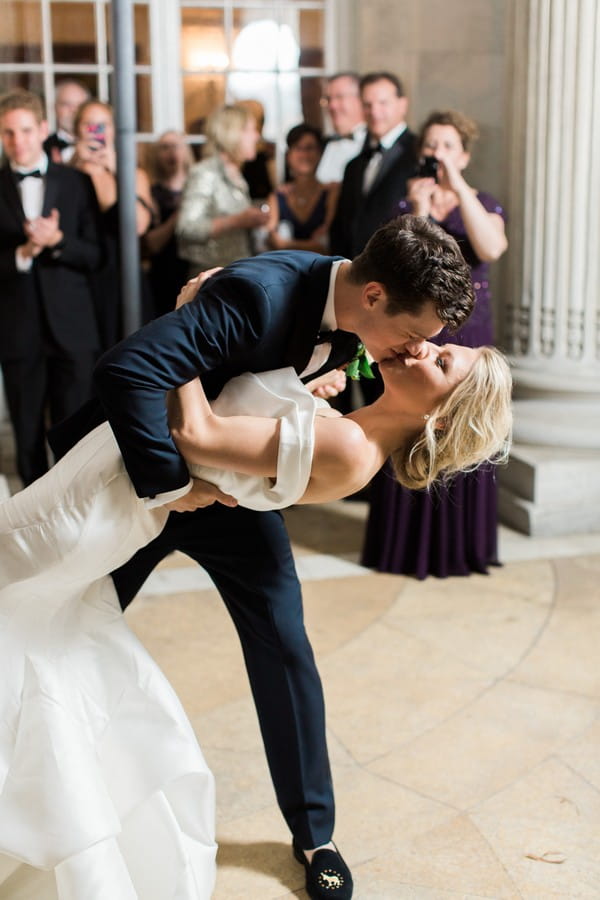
96	134
427	168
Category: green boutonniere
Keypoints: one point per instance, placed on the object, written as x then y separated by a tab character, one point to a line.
359	365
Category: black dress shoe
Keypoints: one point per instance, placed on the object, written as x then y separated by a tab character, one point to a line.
327	876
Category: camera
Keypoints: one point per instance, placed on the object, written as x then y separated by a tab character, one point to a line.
427	168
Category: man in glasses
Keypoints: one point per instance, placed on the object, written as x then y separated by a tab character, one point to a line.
344	107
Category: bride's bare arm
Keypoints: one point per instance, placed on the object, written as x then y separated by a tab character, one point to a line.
245	444
344	459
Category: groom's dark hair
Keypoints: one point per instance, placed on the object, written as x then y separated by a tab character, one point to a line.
417	262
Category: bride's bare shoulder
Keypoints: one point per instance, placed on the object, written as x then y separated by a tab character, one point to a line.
342	459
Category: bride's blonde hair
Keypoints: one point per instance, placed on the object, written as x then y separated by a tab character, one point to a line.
471	425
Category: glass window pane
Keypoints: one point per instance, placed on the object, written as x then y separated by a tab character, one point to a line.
201	94
143	90
21	39
262	43
312	37
73	32
90	81
141	24
31	81
311	91
203	44
143	101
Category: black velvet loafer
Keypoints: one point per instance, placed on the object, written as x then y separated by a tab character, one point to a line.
327	876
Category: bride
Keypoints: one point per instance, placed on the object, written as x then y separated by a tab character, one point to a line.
104	792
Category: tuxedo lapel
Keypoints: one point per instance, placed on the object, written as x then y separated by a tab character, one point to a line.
344	345
11	194
308	315
390	158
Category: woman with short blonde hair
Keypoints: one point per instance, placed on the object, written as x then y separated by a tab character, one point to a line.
217	216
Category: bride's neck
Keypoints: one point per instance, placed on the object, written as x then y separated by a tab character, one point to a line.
385	426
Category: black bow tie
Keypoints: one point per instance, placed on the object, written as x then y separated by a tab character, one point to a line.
35	173
372	149
62	144
343	344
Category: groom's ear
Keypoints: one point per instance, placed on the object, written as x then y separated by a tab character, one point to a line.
374	292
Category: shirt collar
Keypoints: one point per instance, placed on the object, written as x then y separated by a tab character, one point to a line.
65	136
329	319
392	136
42	165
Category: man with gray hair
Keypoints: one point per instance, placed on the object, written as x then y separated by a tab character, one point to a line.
345	109
70	94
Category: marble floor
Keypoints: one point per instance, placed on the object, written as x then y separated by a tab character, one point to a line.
463	718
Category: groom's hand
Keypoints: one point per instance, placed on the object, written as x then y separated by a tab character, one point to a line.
202	494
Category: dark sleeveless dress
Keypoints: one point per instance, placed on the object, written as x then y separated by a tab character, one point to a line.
449	530
303	230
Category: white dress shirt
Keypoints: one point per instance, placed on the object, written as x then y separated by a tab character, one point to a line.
31	192
338	153
385	142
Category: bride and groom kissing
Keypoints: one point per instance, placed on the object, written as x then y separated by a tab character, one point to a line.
161	488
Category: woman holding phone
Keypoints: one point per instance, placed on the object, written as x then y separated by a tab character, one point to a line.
95	154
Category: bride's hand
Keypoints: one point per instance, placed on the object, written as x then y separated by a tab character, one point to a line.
202	494
328	385
191	288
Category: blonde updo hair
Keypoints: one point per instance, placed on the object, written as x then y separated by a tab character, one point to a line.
224	131
473	424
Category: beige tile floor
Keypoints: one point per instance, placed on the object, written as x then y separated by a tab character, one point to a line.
463	716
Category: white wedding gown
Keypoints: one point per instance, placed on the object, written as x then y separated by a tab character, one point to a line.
104	792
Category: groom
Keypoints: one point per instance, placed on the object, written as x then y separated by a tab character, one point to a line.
258	314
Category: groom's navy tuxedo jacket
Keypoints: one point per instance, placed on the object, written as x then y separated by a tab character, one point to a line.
257	314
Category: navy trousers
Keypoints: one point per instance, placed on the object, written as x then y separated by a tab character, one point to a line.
248	556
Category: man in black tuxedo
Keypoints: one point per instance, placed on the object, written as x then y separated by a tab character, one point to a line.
70	94
375	179
258	314
49	243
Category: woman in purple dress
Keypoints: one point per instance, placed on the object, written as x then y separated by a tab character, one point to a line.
452	529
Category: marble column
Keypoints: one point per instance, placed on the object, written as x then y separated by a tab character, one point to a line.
552	318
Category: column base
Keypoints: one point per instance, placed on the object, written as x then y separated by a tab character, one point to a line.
550	491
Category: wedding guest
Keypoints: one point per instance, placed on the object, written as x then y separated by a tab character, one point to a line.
259	173
70	94
376	178
373	181
217	216
49	248
453	529
302	209
95	154
344	107
168	160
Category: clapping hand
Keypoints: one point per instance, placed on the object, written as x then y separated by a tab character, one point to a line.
44	231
